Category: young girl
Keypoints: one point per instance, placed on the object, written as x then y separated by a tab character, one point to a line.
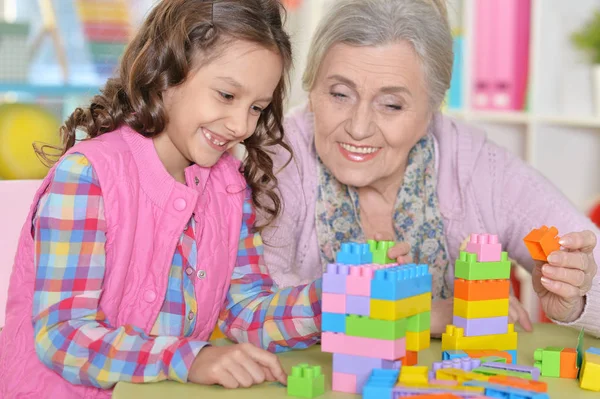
140	236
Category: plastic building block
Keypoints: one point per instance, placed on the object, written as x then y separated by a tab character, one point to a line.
334	278
354	254
481	309
359	346
459	375
410	359
401	282
593	350
590	372
419	322
520	383
334	322
509	355
379	249
333	303
360	326
503	391
358	305
358	281
453	354
393	310
493	359
513	354
413	374
454	339
342	382
532	371
467	268
463	363
485	246
491	371
542	242
417	341
458	390
481	290
568	363
482	326
380	384
350	364
306	381
547	360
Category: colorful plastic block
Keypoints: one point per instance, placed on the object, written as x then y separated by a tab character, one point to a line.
380	384
463	363
379	249
417	341
509	355
351	364
459	390
568	363
358	305
401	282
481	309
413	374
342	382
547	360
419	322
453	354
369	347
542	242
459	375
520	383
532	371
306	381
394	310
467	268
485	246
333	303
493	359
589	378
503	391
454	339
334	322
481	290
482	326
334	278
513	354
361	326
358	281
410	359
354	254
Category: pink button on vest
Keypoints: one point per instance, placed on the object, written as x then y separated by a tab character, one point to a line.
146	211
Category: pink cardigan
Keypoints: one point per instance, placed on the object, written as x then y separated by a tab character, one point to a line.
481	188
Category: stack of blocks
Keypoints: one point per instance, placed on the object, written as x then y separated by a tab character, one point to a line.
481	299
376	314
556	362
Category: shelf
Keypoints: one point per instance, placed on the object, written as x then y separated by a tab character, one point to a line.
48	90
511	117
571	121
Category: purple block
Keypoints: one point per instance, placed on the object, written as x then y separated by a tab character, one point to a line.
534	371
404	391
334	279
357	305
482	326
352	364
462	363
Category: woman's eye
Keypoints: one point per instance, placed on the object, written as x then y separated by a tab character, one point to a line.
337	95
394	107
226	96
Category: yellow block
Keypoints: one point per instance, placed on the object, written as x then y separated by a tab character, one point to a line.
413	374
459	375
478	309
417	341
394	310
454	339
590	372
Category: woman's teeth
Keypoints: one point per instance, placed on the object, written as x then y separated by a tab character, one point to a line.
358	150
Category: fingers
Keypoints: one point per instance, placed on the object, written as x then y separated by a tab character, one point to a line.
268	375
584	241
227	380
401	252
574	260
254	370
570	276
267	360
518	314
536	275
560	288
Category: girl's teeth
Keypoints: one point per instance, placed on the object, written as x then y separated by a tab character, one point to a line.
358	150
210	137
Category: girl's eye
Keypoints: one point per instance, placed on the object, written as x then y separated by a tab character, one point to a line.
256	109
226	96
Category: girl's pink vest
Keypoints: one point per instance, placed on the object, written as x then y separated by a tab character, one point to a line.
146	211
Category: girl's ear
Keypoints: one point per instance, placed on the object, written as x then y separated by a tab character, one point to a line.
310	106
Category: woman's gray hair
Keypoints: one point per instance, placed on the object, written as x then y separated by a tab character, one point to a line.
422	23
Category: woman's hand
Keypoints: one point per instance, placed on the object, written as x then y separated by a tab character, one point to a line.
518	315
562	283
234	366
400	252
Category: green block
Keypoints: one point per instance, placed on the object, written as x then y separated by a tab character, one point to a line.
306	381
494	371
379	249
363	326
493	359
547	360
419	322
468	268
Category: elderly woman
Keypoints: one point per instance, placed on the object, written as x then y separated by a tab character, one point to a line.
374	158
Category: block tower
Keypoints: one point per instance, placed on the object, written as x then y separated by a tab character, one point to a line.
376	314
481	295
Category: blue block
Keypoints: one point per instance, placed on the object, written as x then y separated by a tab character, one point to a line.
593	350
513	354
380	384
334	322
449	355
506	392
401	282
354	254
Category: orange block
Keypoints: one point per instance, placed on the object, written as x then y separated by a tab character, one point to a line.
568	363
542	242
476	354
436	396
521	383
481	290
410	359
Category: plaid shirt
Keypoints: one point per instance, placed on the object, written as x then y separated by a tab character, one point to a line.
72	335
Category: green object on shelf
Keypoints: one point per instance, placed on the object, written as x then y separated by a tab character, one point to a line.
17	28
306	381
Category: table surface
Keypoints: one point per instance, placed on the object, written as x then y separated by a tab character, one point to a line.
542	336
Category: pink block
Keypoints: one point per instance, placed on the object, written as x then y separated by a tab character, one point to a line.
486	246
342	382
360	346
359	279
333	303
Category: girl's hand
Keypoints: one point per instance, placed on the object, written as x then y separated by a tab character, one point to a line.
562	283
518	315
234	366
400	252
